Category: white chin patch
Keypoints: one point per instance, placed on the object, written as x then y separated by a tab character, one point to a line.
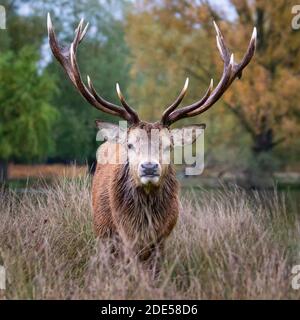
147	180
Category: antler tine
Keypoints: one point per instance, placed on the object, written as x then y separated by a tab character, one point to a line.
84	31
80	31
125	104
181	113
237	69
224	52
100	102
250	50
61	54
231	70
67	58
176	103
78	34
94	93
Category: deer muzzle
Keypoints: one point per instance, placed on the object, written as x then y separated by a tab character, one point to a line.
149	172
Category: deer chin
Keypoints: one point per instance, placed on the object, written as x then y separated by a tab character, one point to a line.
145	181
149	180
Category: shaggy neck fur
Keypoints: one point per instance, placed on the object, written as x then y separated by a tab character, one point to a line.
142	208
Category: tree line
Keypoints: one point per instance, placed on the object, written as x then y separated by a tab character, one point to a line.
150	47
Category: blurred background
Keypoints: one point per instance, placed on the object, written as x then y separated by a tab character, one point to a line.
150	47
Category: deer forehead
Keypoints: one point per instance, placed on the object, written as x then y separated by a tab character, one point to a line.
139	136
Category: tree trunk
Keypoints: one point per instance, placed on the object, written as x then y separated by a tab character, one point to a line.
262	166
263	142
3	171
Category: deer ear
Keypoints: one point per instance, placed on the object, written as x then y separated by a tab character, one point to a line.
187	135
110	132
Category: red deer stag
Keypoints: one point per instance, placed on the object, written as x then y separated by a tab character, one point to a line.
138	200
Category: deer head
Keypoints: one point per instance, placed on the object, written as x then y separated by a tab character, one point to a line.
144	167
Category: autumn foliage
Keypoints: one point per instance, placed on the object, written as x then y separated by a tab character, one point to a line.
171	40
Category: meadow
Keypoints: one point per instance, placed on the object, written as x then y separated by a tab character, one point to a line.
228	244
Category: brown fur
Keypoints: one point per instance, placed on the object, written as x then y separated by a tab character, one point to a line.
142	218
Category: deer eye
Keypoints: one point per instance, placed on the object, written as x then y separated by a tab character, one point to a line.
130	146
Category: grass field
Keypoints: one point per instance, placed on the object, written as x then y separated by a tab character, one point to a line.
228	244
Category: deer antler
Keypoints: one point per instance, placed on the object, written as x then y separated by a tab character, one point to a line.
67	58
231	71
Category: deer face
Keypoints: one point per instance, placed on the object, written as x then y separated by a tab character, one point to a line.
148	147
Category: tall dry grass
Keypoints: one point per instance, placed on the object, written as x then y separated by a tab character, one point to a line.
226	245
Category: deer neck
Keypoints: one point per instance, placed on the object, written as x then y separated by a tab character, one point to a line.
130	197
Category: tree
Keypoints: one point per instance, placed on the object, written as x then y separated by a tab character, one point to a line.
166	39
26	115
102	55
266	101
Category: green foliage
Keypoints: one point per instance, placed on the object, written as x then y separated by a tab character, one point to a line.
102	55
29	127
26	115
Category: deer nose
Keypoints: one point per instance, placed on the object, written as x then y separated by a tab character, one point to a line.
149	168
149	165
